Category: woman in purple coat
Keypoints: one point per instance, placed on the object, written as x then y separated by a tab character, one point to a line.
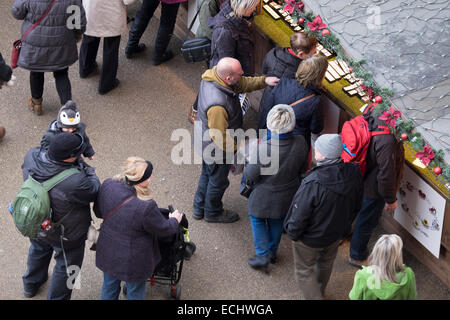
127	247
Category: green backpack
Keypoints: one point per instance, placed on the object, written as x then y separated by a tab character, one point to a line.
31	206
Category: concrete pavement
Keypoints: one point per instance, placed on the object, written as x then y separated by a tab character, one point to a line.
138	118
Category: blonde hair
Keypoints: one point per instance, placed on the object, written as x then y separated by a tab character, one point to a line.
134	169
312	71
300	41
386	259
241	6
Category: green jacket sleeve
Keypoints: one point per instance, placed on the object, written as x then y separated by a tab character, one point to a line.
358	284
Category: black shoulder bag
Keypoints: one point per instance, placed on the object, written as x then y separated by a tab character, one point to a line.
196	49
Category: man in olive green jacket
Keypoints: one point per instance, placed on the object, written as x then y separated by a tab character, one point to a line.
219	111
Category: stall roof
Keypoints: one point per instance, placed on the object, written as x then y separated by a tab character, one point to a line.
407	47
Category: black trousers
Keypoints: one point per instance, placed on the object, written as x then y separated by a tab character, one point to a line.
62	85
166	25
88	56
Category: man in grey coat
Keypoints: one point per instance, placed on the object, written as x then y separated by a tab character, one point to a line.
51	46
275	180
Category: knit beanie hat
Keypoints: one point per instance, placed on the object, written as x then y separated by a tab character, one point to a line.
65	145
68	115
329	145
281	119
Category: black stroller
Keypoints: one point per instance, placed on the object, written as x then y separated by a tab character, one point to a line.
174	250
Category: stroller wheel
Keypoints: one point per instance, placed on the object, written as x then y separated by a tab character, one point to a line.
189	251
175	291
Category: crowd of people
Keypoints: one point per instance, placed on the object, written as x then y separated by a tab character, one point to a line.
315	202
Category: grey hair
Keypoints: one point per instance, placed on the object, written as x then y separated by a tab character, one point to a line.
240	6
281	119
386	258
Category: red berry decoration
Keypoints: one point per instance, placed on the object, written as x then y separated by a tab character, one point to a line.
437	170
325	32
301	20
378	99
350	69
404	136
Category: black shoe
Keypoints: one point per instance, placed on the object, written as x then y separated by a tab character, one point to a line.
161	59
87	74
130	51
116	84
259	262
273	258
197	215
227	216
33	292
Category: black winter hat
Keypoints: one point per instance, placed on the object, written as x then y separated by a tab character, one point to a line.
65	145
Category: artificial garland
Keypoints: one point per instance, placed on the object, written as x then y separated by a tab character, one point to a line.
402	128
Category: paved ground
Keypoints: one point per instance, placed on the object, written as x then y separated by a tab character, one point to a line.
138	118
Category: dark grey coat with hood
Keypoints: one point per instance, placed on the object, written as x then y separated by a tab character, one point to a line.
51	46
325	205
71	197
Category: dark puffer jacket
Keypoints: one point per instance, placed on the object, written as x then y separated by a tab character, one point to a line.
278	62
325	205
127	248
5	70
54	129
307	113
232	37
51	45
385	161
72	196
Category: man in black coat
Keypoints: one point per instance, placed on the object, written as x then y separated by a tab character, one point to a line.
283	62
321	214
70	202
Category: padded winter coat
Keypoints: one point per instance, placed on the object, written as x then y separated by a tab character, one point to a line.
52	45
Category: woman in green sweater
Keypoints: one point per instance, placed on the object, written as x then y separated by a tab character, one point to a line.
386	277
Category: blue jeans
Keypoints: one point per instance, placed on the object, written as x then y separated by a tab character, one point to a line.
266	235
39	257
111	289
367	220
211	186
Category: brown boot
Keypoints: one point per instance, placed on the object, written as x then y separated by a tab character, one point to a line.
35	105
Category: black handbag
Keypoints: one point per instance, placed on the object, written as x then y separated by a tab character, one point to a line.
196	49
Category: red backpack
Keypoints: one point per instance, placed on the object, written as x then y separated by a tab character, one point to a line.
356	137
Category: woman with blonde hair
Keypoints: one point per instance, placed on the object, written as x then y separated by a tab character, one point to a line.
305	87
127	247
386	277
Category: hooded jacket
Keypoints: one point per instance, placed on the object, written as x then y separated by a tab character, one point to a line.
54	129
232	37
219	106
307	113
325	205
278	62
362	289
70	199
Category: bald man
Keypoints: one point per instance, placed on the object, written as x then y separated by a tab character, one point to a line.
219	110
